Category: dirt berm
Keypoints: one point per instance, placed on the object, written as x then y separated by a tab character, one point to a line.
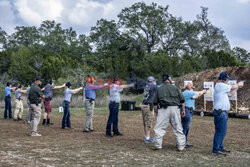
211	75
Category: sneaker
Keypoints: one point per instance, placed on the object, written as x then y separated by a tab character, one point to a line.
109	135
219	153
188	145
27	122
118	134
19	119
181	149
225	151
14	119
150	140
35	134
86	131
48	124
157	148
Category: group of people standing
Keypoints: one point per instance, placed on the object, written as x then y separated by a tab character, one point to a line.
175	107
166	101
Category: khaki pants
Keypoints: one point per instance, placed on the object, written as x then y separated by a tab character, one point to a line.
147	116
89	114
165	116
35	116
19	109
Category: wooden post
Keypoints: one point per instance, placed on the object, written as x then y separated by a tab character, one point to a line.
236	106
205	105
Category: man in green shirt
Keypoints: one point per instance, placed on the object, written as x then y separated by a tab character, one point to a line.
167	103
35	98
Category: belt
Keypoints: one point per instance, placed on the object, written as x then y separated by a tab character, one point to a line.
113	102
90	99
146	103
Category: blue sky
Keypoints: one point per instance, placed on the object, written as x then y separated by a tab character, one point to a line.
233	16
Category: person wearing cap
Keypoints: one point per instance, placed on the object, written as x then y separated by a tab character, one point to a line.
27	118
66	101
89	102
48	93
147	108
7	100
35	98
221	106
19	103
169	99
114	92
189	96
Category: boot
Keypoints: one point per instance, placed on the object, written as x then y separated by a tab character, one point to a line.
48	122
44	121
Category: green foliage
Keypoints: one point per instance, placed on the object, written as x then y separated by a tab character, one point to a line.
22	65
220	59
146	40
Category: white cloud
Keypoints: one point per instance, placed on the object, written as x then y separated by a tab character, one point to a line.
7	21
230	15
34	12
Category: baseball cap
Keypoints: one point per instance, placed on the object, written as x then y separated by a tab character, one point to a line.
68	84
224	75
166	77
151	79
51	81
38	78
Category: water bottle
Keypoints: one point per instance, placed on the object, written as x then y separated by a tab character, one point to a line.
202	113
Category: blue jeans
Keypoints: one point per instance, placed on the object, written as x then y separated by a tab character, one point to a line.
7	107
113	118
66	115
186	122
220	122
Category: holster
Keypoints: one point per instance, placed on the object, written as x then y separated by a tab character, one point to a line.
219	111
163	104
19	99
191	110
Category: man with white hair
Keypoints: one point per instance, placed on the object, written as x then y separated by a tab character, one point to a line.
190	97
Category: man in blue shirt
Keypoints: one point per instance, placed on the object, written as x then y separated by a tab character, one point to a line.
190	97
7	101
89	103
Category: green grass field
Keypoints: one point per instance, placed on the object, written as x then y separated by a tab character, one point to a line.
72	147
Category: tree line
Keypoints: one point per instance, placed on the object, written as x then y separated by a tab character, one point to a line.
146	40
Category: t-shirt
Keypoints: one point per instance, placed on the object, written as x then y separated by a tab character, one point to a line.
67	95
221	100
35	94
188	96
48	91
7	91
149	93
18	94
115	92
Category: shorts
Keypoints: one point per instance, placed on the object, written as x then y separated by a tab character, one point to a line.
147	116
47	106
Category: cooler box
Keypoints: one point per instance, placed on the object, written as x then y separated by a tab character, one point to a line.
128	105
